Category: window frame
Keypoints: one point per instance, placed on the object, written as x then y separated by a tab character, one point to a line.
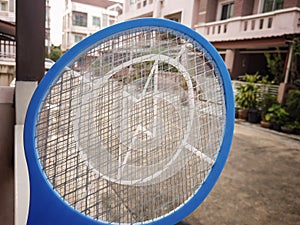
4	6
82	21
274	5
79	37
220	9
98	19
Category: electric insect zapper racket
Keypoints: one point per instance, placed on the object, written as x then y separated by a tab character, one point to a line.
133	125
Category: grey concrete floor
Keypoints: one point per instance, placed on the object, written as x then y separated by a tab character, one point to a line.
260	184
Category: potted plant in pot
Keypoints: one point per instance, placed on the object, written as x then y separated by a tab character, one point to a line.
246	100
267	101
297	127
265	122
288	127
277	115
254	115
293	104
293	108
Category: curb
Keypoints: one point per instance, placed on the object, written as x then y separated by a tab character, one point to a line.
257	126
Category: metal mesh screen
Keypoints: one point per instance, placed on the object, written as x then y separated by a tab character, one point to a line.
130	130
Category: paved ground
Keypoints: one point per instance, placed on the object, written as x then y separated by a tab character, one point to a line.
260	184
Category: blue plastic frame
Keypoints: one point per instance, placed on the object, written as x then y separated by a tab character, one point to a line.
46	206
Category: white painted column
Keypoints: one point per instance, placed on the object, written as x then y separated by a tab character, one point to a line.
24	91
229	59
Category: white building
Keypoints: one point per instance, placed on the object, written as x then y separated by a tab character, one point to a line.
242	30
8	39
7	10
8	14
84	17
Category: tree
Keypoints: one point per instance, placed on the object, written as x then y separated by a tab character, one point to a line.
55	53
275	64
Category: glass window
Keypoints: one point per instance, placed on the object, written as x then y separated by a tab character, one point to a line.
227	10
79	19
4	6
175	17
78	37
272	5
132	2
96	21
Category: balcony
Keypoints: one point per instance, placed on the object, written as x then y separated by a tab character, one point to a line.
276	23
141	8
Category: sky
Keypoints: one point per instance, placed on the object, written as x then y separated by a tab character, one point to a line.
56	15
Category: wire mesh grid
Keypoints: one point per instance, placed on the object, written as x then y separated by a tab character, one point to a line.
130	130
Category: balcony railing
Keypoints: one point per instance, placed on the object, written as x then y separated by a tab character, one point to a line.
139	8
276	23
7	50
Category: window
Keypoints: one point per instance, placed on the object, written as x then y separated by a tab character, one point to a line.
4	6
78	37
132	2
175	17
111	20
96	21
227	10
272	5
79	19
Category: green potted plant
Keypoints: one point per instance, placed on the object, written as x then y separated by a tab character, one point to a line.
288	127
246	100
297	127
265	122
293	108
277	115
297	82
293	104
267	101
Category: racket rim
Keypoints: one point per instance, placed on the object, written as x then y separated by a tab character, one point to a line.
33	163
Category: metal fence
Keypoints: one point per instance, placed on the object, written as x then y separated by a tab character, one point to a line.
263	88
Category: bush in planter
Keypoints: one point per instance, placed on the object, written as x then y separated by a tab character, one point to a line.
296	127
288	127
277	115
254	116
246	98
265	122
293	104
267	101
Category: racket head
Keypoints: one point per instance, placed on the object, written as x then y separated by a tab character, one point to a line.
47	206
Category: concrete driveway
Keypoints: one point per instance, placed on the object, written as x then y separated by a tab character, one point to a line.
260	184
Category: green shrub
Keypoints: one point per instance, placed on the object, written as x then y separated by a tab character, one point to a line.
246	97
293	104
277	114
267	101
